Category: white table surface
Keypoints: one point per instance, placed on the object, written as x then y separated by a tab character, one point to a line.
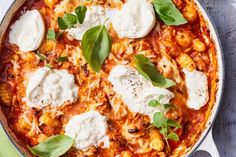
223	13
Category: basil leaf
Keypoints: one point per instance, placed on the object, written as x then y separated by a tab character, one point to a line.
62	24
41	56
80	11
62	59
54	146
49	66
173	123
164	131
154	103
168	13
173	136
51	35
169	106
96	46
70	20
146	68
159	119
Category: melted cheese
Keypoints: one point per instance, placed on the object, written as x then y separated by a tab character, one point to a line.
51	87
136	91
95	16
135	20
28	32
197	86
88	129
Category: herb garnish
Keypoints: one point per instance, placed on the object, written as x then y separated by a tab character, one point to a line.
62	59
52	35
166	127
41	56
168	13
70	20
49	66
155	102
146	68
81	12
169	106
96	46
54	146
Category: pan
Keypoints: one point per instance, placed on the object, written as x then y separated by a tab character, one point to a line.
205	141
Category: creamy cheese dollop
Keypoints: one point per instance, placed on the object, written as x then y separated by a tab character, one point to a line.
136	91
95	16
135	20
51	87
197	86
88	129
28	32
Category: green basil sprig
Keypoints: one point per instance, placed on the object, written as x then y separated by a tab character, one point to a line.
146	68
70	20
160	121
168	13
96	46
54	146
165	125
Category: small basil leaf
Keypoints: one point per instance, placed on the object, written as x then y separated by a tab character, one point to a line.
54	146
70	20
41	56
169	106
159	119
168	13
173	123
164	131
62	24
173	136
81	12
62	59
49	66
154	103
146	68
96	46
51	35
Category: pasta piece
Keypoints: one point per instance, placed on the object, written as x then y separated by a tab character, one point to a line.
156	140
184	38
50	3
47	119
198	45
144	146
42	137
190	14
5	94
185	61
126	154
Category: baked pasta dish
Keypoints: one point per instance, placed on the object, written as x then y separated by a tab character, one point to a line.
108	78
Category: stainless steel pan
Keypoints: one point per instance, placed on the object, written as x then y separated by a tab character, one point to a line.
205	142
